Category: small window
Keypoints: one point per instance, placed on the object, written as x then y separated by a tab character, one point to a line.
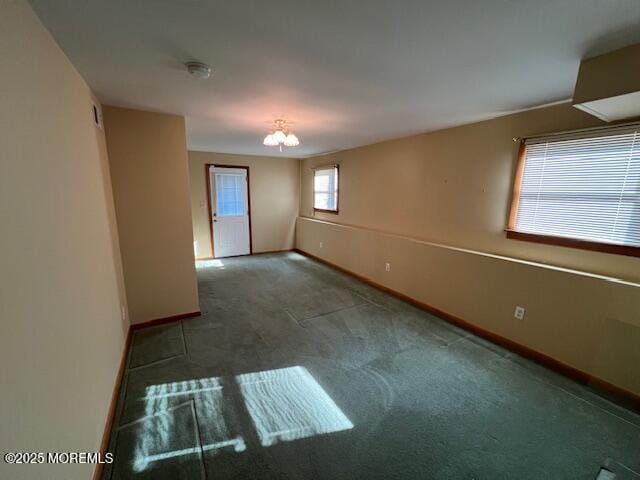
230	193
325	189
580	191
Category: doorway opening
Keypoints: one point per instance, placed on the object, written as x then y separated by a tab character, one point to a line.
229	207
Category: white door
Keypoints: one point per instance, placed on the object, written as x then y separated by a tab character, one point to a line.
230	211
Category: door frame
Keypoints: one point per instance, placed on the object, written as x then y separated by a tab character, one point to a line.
207	177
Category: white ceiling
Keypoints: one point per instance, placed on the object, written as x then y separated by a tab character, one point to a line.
344	72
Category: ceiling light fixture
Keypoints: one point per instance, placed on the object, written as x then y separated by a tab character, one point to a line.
281	135
198	69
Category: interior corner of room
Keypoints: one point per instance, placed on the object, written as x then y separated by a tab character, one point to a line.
243	263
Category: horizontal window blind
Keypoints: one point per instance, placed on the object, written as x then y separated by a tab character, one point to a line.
325	188
585	188
230	194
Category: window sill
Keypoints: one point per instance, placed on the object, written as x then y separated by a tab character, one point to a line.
320	210
574	243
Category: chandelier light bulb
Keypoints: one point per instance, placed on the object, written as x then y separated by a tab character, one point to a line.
291	140
279	136
269	141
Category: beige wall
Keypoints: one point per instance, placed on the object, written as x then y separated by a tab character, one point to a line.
453	188
588	322
149	172
274	199
60	285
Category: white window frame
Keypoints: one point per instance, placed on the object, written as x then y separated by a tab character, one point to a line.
337	189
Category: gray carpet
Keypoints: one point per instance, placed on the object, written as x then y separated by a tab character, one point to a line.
296	371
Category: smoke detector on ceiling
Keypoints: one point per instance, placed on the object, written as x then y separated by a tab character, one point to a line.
198	69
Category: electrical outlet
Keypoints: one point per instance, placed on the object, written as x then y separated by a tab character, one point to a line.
123	312
321	244
519	313
387	267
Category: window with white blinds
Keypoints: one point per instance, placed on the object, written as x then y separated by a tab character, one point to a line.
583	187
230	197
325	188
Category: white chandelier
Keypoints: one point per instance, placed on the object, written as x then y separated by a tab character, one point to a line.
281	135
